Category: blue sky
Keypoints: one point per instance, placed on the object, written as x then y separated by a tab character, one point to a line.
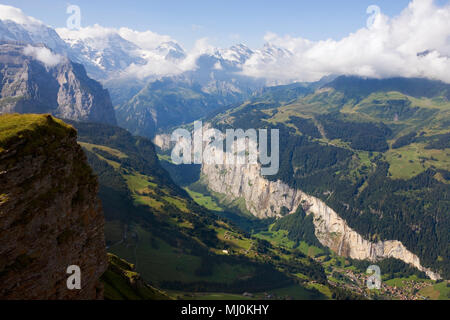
223	22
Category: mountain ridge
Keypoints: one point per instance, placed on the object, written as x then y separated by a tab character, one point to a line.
34	80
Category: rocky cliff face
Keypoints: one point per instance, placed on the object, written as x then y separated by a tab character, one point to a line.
162	141
266	198
34	80
50	216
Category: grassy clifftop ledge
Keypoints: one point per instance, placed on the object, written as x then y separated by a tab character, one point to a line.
15	127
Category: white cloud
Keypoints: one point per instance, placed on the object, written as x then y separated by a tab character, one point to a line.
157	65
147	40
16	15
201	47
389	48
218	66
43	55
91	32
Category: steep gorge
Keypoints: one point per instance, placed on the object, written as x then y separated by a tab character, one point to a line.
264	198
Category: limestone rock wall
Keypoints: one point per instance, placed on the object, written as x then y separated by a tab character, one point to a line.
265	198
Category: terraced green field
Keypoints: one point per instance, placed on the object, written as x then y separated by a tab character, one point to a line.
413	159
234	240
440	291
401	282
278	238
205	201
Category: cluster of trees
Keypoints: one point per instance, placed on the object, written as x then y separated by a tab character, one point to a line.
404	140
305	126
414	211
366	136
299	226
248	118
313	270
301	157
390	268
440	142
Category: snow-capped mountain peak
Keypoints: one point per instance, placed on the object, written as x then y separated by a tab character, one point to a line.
103	48
171	51
238	53
109	52
16	26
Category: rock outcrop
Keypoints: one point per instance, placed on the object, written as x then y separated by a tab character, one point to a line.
162	141
266	198
34	80
50	216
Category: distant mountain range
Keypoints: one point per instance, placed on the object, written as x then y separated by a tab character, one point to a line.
131	69
108	53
